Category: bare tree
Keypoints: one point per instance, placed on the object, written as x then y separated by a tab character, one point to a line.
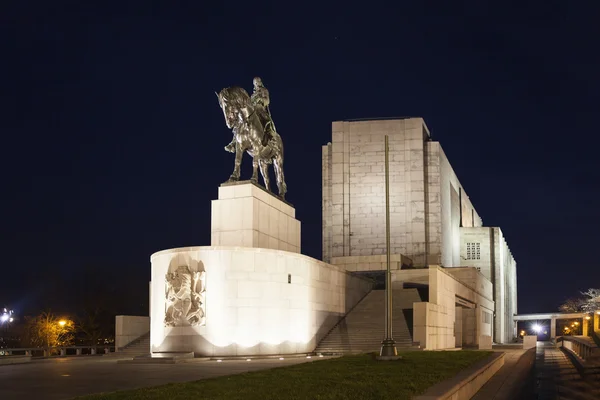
90	325
572	305
589	302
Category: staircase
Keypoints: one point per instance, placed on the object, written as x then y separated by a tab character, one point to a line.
363	328
139	347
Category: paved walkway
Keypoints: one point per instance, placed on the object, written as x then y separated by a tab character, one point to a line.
557	378
63	378
510	379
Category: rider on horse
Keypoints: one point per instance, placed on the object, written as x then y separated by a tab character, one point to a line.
260	101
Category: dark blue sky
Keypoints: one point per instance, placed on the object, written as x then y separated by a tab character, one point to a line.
112	136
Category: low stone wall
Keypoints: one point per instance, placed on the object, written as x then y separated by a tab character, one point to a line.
128	328
8	360
529	341
256	301
466	383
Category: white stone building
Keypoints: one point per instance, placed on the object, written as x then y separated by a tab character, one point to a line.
252	293
433	221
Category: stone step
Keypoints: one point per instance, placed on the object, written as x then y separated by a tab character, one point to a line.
362	330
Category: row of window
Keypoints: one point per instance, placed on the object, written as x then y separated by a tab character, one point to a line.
473	251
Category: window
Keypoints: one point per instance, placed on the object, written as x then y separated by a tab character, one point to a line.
487	318
473	251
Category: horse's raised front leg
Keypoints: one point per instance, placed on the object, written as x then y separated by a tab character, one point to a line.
235	175
254	178
279	176
264	171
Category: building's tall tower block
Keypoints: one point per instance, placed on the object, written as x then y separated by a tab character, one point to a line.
428	206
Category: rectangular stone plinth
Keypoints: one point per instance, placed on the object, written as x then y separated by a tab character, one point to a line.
246	215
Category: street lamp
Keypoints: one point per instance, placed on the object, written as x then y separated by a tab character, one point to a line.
6	316
62	322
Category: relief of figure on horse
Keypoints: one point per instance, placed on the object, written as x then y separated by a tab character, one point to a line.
254	132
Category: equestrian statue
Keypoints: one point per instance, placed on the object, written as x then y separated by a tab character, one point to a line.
254	132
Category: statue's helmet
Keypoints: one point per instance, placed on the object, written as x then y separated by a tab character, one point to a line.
257	81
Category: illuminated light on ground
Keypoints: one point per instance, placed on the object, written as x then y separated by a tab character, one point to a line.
248	359
308	357
219	360
281	358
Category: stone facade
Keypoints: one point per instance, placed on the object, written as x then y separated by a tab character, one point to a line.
246	215
430	211
458	311
427	202
371	263
486	249
258	301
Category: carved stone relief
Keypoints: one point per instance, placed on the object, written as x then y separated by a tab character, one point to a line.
185	292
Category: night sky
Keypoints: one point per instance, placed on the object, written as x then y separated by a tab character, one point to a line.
112	137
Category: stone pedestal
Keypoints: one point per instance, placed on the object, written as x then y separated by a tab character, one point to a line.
529	341
246	215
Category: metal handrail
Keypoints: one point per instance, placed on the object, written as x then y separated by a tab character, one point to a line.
61	350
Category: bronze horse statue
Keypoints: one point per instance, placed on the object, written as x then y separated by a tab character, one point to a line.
265	147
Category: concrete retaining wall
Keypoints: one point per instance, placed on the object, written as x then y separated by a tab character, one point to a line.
467	382
128	328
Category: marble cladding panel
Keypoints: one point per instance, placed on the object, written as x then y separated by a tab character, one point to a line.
247	216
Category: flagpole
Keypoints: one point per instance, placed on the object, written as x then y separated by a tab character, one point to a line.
388	345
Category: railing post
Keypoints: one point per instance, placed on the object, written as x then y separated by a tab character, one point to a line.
93	351
78	351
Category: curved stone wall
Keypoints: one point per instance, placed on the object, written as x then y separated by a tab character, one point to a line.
236	301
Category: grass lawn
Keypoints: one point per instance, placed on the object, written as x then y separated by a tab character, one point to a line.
350	377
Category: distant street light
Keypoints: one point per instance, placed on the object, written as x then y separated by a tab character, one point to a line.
6	316
62	322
